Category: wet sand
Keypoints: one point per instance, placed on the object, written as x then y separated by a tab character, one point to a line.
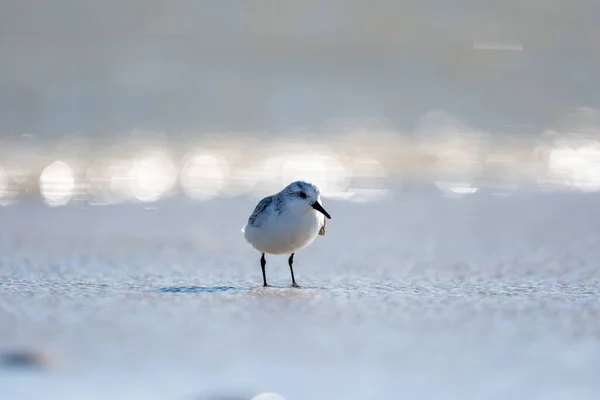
417	296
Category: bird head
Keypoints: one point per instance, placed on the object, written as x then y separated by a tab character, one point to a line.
305	196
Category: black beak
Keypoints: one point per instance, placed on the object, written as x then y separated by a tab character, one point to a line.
320	208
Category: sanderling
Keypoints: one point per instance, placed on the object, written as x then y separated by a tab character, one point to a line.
286	222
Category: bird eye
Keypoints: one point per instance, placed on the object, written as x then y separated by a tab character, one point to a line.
302	195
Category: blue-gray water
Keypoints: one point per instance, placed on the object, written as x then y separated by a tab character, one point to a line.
416	296
98	68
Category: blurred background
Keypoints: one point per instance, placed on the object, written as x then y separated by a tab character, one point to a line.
133	101
456	143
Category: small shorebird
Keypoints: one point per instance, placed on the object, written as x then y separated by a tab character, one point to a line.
286	222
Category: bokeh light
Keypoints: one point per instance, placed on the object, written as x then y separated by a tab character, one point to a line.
5	193
576	168
152	177
456	189
357	160
204	176
116	181
57	183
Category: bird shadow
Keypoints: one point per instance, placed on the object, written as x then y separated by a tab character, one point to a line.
201	289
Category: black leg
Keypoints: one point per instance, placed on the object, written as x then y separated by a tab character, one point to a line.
291	261
263	262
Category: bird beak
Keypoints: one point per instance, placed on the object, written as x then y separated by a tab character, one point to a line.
320	208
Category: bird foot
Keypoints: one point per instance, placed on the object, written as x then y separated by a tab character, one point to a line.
294	284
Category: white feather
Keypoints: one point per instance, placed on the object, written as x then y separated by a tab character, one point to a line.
285	223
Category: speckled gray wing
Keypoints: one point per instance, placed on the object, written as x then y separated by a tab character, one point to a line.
322	230
259	214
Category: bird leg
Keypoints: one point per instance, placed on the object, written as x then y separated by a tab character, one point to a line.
291	261
263	262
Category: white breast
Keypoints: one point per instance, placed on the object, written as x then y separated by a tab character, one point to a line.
284	233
